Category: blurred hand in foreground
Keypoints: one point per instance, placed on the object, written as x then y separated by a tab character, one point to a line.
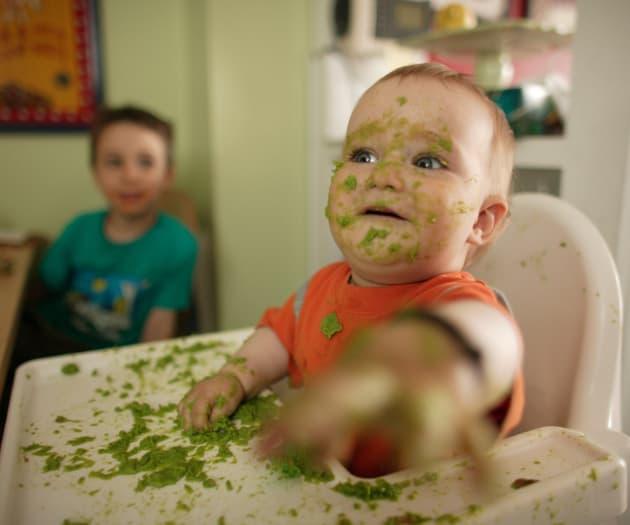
409	380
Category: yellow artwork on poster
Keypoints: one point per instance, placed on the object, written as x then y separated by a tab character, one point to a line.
48	63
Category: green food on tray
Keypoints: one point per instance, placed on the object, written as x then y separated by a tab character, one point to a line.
70	369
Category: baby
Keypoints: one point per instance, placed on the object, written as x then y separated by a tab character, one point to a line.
422	188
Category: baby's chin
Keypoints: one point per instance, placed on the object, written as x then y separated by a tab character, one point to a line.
385	272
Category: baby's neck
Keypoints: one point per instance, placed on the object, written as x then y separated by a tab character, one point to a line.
124	228
357	280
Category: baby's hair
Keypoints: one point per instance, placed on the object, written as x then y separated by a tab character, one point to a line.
134	115
502	146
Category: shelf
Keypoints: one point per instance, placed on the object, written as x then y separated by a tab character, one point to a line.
516	38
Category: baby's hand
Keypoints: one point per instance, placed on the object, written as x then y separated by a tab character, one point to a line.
210	399
409	378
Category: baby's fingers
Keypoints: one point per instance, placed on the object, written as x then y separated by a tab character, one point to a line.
184	409
199	411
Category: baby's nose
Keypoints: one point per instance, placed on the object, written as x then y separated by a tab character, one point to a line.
388	177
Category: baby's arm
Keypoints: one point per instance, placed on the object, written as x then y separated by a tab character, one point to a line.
261	361
428	377
496	338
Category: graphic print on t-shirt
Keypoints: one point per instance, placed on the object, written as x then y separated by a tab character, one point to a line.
103	304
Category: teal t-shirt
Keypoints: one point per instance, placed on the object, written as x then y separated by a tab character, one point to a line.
104	290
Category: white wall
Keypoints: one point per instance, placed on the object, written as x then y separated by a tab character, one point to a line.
598	126
598	131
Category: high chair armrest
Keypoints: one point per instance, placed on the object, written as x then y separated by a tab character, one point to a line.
619	443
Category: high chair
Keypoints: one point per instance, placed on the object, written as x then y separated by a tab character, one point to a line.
562	285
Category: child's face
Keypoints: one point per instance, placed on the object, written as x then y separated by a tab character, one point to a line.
131	168
404	205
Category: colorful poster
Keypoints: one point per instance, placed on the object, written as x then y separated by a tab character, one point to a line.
49	64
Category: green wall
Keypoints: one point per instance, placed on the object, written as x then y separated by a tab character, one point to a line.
232	77
258	57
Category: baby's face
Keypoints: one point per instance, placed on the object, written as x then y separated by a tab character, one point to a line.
405	199
131	168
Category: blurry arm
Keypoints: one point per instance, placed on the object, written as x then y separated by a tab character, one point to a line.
497	339
429	376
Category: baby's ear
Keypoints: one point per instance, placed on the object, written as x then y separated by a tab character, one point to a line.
489	221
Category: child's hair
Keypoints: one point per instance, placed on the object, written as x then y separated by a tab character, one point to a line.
135	115
502	146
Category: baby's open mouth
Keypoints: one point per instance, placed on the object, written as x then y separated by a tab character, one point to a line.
378	211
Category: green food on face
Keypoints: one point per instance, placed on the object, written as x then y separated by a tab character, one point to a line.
70	369
401	100
432	218
327	212
350	183
344	220
409	518
413	253
337	165
330	325
445	143
373	233
365	131
221	521
394	248
296	463
593	474
371	491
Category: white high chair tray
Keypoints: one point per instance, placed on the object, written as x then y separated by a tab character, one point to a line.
577	482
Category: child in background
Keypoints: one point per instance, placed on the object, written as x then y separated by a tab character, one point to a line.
119	275
422	188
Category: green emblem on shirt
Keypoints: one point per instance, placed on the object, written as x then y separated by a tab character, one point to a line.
330	325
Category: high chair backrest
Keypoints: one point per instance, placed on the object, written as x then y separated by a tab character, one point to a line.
561	282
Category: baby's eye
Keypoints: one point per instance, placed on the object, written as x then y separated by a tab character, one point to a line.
363	156
428	162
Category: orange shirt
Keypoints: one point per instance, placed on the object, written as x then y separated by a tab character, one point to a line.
329	291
